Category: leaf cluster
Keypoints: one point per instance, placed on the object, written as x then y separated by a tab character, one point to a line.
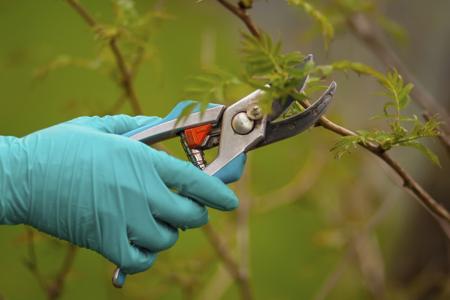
268	69
403	130
131	30
326	27
265	67
331	16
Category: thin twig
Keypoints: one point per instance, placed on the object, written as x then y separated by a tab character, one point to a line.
126	75
217	285
242	14
32	262
56	288
334	277
82	12
225	256
243	231
300	183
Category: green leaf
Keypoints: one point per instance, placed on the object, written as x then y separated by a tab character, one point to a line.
210	86
324	23
425	151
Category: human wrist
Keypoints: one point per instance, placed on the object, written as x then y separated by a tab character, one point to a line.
13	169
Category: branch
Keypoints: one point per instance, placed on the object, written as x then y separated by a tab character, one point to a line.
31	263
409	183
243	231
55	288
225	256
126	75
333	278
364	30
241	13
412	186
300	183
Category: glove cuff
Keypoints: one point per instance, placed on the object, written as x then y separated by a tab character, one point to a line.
13	200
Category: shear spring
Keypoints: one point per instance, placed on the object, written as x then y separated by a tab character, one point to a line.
195	156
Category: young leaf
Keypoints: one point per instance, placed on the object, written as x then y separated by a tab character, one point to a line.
425	151
324	23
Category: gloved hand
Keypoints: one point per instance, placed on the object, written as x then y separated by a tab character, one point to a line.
83	182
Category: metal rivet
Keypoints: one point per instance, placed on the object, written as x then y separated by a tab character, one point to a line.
255	112
242	124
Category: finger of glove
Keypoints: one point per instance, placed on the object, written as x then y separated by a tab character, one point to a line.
151	234
178	211
191	182
130	258
116	124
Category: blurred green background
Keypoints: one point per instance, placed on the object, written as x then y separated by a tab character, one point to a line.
294	241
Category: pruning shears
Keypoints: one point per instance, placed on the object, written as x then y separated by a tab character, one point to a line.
235	129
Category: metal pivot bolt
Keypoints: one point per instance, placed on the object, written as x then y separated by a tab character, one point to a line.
242	124
255	112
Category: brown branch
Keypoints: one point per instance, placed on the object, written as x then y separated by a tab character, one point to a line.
82	12
409	183
365	31
31	263
243	231
55	288
334	276
126	75
230	264
241	13
300	183
412	186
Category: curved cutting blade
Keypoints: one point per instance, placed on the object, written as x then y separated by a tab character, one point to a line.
279	106
296	124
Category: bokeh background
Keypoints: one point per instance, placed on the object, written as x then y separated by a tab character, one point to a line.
317	227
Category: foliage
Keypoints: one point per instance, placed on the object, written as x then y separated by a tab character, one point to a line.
133	31
263	62
265	67
404	130
325	24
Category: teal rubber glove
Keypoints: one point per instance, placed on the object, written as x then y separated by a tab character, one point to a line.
83	182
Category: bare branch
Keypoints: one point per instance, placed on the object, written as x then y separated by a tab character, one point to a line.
226	257
82	12
32	263
126	75
301	182
334	276
241	13
55	287
243	231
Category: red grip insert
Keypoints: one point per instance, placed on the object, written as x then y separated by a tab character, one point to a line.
197	135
